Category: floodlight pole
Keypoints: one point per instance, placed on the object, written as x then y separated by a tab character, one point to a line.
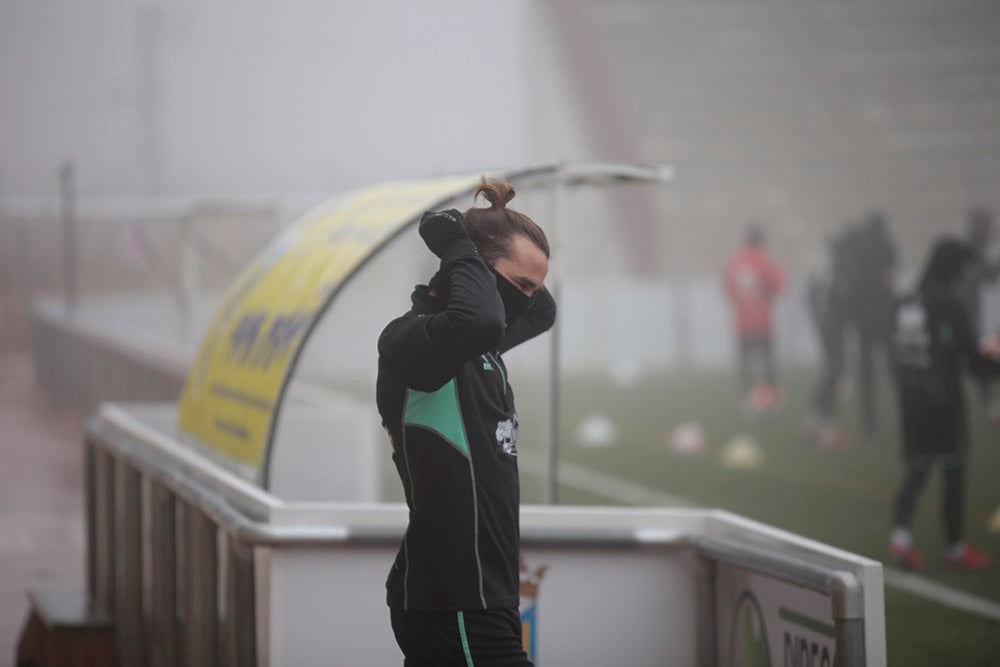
69	237
188	279
578	173
551	494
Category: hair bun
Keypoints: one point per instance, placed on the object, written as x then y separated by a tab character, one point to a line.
496	191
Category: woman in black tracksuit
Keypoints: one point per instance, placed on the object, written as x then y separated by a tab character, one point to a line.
447	404
932	342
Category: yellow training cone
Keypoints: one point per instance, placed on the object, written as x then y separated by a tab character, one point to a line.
994	522
741	452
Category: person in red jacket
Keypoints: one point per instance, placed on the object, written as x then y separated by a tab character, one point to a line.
752	281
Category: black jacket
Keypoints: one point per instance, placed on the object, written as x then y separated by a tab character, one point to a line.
448	407
932	344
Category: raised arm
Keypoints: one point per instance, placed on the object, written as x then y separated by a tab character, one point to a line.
427	349
537	320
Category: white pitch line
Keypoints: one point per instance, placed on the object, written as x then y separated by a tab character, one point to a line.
950	597
603	484
616	488
632	493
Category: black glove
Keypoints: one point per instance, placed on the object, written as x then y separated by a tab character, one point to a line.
439	283
445	235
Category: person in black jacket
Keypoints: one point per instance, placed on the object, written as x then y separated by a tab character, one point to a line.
446	402
980	233
827	302
932	342
852	296
874	258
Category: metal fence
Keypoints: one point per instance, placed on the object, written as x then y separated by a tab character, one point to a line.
73	249
78	369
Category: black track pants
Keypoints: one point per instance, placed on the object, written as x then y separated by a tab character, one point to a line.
952	503
479	638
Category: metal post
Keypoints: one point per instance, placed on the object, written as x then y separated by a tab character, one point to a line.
849	619
201	594
90	514
705	612
148	31
70	276
188	279
241	622
129	625
682	323
551	495
850	643
164	635
104	532
552	483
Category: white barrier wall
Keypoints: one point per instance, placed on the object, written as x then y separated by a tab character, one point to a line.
600	586
336	453
596	606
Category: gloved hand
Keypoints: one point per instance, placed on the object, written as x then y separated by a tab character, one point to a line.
439	283
445	235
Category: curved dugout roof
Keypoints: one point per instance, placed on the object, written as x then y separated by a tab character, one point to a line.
233	395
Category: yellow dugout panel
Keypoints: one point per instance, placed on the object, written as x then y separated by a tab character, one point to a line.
231	399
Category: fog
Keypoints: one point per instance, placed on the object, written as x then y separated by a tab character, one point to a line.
155	98
801	118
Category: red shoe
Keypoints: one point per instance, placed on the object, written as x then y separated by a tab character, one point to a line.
907	557
993	414
970	559
833	438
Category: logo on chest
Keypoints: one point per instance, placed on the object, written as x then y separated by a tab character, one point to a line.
507	436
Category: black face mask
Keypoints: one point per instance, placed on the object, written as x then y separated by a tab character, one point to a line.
515	302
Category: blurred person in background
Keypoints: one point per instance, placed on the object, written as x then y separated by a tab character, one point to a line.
870	261
827	301
752	280
445	400
980	234
932	341
854	295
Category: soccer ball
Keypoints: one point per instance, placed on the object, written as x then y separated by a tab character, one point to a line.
994	522
626	373
596	430
688	439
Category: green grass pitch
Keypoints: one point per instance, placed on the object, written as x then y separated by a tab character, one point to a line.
842	498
